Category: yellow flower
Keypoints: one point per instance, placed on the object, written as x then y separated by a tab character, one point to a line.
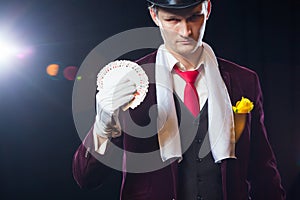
243	106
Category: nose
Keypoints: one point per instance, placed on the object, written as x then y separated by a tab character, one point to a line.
185	29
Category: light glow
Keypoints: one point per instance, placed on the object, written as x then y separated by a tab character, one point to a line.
7	51
11	50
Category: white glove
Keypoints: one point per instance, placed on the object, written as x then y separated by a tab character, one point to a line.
108	102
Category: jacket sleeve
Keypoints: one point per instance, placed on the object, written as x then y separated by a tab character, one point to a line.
263	173
88	168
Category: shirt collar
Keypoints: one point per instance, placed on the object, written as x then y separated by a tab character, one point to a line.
170	61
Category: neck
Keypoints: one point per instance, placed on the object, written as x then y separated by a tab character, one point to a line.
189	61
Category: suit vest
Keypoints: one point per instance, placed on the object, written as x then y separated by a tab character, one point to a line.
199	178
163	184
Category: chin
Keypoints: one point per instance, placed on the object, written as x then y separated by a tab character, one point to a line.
186	50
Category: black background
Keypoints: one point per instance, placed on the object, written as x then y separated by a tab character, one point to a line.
38	136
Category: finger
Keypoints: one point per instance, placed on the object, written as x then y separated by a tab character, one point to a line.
118	83
122	101
117	91
128	91
126	86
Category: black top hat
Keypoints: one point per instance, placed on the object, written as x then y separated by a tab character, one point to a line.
177	4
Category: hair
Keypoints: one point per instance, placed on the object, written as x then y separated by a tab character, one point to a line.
153	7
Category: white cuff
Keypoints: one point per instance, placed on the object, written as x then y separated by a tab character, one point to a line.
99	149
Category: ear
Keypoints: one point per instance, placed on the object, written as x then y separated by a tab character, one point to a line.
208	9
154	16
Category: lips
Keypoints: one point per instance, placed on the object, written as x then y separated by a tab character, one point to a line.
185	41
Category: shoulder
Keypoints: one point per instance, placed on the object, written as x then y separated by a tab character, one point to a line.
240	80
231	67
235	70
149	58
148	64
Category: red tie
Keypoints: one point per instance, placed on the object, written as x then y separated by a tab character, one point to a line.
191	99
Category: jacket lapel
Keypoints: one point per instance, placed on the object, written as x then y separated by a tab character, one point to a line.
226	78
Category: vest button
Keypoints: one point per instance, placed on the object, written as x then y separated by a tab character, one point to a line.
199	159
199	179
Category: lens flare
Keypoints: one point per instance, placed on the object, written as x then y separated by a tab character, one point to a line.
12	50
7	51
52	69
70	73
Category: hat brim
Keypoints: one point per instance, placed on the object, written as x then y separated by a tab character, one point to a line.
176	6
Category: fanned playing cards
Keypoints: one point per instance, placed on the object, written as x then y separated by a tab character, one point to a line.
124	69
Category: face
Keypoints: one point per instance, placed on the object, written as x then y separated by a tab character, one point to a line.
182	29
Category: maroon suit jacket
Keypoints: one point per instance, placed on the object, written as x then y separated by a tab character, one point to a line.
253	174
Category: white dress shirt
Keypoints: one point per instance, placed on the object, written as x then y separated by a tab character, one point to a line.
179	83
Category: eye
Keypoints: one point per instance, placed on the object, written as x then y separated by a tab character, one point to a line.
195	17
173	19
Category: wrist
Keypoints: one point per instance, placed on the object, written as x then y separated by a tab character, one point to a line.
101	139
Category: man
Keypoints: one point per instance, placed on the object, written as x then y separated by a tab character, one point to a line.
243	168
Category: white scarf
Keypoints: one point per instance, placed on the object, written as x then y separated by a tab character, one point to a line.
220	116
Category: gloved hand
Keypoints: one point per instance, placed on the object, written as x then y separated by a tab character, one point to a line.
108	102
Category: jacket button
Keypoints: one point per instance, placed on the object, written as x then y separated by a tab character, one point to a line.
199	159
199	197
198	141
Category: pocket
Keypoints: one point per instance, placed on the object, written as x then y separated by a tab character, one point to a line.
240	120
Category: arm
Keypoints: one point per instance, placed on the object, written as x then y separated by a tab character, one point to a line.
263	173
89	163
88	171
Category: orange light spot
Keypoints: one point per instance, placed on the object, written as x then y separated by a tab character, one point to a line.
52	69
